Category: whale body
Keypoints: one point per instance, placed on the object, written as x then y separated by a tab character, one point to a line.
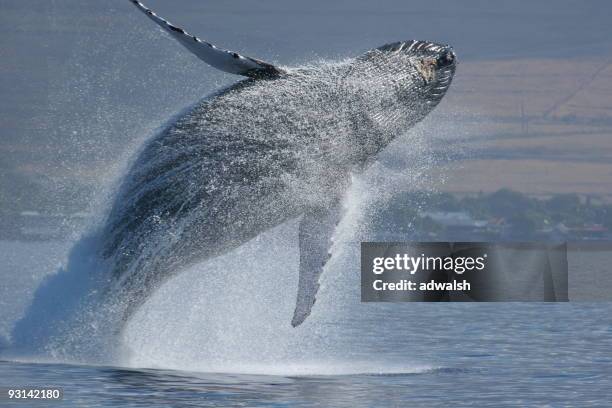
276	146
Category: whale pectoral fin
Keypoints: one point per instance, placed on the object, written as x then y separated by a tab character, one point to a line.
316	231
225	60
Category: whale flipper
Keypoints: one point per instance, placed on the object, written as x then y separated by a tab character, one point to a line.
222	59
316	230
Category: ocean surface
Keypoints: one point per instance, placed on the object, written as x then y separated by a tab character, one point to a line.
238	349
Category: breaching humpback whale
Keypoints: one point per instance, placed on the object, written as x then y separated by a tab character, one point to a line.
279	145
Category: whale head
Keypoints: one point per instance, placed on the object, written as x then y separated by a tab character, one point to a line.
419	67
409	78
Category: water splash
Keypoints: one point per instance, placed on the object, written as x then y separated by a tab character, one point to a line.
232	312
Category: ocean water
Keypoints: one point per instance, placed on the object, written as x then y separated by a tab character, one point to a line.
209	339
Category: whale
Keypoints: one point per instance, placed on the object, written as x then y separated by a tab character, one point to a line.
281	144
